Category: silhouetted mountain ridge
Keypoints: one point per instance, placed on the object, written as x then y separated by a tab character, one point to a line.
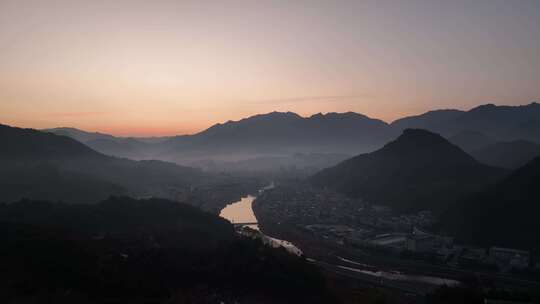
427	120
282	134
79	135
134	148
498	122
28	143
418	170
47	166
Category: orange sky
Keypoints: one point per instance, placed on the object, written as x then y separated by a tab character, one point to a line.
176	67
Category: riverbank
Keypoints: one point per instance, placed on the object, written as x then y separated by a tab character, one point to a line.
241	213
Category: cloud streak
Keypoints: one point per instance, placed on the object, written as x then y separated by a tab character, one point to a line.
328	98
75	114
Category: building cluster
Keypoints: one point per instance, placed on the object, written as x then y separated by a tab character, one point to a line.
421	241
305	206
503	259
355	223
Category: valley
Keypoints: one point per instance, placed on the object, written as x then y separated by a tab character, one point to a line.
270	152
399	220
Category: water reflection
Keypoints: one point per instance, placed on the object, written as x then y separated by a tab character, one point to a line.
241	212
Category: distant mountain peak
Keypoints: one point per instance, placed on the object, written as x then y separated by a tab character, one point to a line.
348	114
424	146
416	132
532	104
484	107
268	116
419	138
71	129
78	134
278	114
487	106
491	106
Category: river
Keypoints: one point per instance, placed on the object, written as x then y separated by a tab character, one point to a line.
242	212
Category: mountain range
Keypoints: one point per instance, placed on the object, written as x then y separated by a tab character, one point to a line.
285	132
281	135
134	148
501	123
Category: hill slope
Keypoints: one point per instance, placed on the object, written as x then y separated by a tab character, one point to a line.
428	120
419	170
108	144
79	135
47	166
503	215
142	251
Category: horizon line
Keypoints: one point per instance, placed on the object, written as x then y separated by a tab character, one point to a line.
156	135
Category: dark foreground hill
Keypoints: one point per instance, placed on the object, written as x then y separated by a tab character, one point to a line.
503	215
47	166
419	170
149	251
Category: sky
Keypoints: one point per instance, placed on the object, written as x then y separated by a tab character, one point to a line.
176	67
